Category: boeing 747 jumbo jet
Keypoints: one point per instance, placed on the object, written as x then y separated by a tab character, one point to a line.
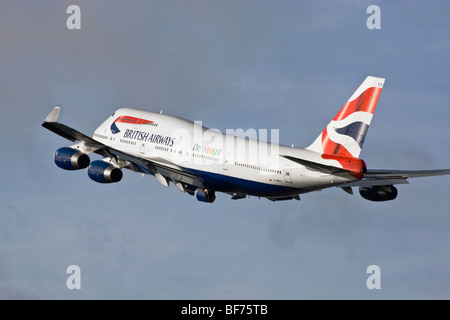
201	162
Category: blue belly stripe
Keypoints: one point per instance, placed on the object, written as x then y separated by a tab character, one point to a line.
224	183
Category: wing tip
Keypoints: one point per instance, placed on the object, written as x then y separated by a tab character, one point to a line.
53	115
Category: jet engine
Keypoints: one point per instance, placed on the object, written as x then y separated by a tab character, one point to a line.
206	195
378	193
70	159
103	172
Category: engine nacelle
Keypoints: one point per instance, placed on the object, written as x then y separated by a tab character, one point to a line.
379	193
103	172
206	195
70	159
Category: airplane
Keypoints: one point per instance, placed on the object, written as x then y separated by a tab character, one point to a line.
201	161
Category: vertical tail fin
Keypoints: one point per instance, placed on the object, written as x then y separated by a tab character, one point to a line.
344	135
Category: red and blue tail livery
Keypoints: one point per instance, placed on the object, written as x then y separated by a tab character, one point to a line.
203	162
344	135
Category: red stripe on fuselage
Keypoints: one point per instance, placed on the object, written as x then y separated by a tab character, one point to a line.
133	120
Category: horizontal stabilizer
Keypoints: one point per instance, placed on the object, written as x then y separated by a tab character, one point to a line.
314	166
391	177
406	173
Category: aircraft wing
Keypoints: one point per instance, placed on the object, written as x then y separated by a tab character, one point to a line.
72	134
391	177
158	166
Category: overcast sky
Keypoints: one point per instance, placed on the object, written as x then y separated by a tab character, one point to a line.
287	65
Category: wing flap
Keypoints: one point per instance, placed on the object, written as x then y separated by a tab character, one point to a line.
168	171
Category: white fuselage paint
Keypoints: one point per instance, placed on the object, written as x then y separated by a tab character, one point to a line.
227	163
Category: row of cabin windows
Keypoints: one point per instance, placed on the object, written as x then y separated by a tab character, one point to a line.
167	149
128	141
204	156
250	166
162	148
153	124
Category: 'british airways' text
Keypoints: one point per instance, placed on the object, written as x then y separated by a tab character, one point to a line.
147	137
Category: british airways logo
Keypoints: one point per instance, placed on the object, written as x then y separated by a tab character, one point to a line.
147	137
131	120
